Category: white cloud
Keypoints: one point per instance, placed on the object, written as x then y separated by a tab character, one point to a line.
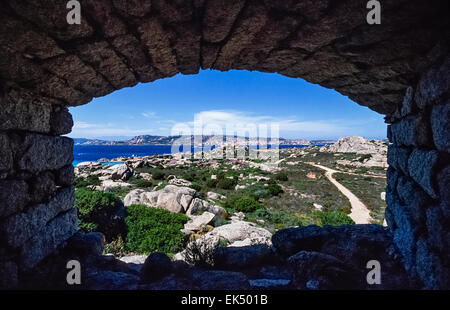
89	130
287	126
149	114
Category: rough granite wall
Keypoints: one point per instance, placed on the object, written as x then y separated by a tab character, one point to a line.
36	195
418	191
47	65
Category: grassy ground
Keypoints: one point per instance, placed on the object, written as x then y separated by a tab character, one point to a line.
368	190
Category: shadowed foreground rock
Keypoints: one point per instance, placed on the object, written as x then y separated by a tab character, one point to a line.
301	258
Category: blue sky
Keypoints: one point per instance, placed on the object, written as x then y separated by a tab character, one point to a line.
301	109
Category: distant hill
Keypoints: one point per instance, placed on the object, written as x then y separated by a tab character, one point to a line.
207	140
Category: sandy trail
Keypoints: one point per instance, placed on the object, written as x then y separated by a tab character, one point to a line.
359	213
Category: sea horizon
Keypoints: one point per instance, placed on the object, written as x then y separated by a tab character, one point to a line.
93	153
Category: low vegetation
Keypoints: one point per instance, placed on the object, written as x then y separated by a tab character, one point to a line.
152	229
99	211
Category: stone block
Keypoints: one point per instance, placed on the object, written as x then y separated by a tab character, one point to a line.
421	167
397	157
430	267
433	84
408	102
61	121
13	197
42	187
411	131
65	176
440	126
21	227
53	235
45	153
6	157
22	110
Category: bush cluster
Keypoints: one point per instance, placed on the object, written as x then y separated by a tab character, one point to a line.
151	229
335	218
281	176
99	211
91	180
279	219
243	203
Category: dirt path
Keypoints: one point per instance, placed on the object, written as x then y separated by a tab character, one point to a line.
359	213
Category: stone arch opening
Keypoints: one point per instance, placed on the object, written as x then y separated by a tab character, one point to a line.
399	68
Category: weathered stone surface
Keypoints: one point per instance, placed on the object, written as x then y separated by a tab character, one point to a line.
156	266
61	121
13	197
51	17
120	172
6	156
240	231
443	180
397	157
103	58
45	153
220	280
65	176
430	267
437	231
316	40
25	111
86	244
48	239
98	279
433	84
197	222
411	197
236	258
198	206
219	17
408	101
81	75
131	49
421	167
19	228
411	131
173	198
440	126
314	270
9	272
158	44
42	187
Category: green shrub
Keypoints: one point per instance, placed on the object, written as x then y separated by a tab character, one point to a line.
116	247
91	180
98	211
197	186
158	175
274	189
364	158
212	183
277	218
220	221
151	229
246	204
141	183
281	176
299	185
226	183
335	218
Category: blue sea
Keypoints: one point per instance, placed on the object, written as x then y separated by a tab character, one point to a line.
95	152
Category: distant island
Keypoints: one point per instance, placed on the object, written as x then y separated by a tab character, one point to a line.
205	140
